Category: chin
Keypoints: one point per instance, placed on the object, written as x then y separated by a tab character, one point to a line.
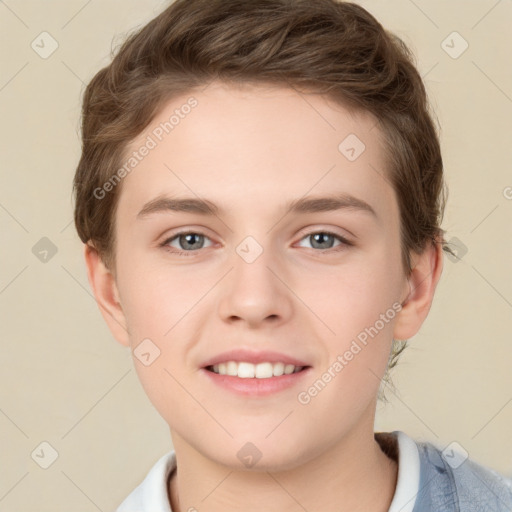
264	455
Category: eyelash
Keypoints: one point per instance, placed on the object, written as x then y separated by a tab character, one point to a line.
344	242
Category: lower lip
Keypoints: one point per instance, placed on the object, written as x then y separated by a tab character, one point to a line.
254	386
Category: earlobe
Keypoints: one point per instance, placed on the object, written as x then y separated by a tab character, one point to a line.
106	294
422	282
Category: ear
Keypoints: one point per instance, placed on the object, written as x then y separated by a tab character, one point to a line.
422	282
106	294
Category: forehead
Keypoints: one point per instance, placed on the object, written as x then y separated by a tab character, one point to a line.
252	146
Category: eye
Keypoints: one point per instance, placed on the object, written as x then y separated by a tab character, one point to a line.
325	239
190	241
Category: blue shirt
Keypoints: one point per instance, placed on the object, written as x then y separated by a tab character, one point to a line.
470	487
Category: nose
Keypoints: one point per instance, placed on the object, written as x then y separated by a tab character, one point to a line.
256	293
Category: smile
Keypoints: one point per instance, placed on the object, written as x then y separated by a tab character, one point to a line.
245	370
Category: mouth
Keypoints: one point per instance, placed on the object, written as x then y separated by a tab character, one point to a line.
259	380
256	374
247	370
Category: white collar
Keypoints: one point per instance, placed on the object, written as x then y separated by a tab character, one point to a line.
408	481
151	495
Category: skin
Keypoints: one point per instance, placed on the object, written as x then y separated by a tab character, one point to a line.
250	150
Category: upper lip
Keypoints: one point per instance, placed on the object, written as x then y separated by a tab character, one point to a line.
254	357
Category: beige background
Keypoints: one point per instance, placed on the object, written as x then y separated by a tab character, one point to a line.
65	381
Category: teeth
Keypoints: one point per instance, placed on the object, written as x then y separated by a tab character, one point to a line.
278	369
245	370
231	368
289	368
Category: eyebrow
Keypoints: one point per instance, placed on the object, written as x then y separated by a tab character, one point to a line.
300	206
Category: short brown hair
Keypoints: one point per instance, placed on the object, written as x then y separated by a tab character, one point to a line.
324	46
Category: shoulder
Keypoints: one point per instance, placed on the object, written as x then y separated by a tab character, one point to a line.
452	481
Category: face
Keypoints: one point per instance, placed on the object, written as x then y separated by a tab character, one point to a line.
297	262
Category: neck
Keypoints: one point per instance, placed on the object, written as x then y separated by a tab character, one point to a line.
355	475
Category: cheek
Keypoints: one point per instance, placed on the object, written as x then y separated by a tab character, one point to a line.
154	298
354	295
158	309
359	304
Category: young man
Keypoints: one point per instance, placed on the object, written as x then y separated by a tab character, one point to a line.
260	196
